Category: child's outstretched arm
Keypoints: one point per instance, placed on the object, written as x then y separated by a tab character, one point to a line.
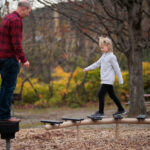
93	66
116	68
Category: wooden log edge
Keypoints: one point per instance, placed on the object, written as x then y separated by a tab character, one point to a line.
103	121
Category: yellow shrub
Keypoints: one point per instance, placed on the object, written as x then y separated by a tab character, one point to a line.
75	94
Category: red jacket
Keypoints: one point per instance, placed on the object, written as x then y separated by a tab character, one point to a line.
11	37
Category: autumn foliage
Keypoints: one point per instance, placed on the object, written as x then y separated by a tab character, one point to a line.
77	94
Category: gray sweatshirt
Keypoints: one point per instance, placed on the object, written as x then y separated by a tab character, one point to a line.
109	67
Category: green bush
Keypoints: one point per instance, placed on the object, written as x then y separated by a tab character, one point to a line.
76	94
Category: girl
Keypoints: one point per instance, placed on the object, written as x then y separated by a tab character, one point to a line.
109	67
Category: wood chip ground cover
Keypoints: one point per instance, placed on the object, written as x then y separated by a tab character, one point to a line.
130	138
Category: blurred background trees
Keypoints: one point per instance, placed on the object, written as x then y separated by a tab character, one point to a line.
126	23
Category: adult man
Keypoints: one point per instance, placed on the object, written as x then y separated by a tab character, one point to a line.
11	53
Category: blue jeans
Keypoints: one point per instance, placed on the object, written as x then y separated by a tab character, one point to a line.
9	69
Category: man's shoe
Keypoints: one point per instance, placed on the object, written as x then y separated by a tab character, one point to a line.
120	112
12	119
98	114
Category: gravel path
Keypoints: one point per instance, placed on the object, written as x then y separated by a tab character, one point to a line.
31	118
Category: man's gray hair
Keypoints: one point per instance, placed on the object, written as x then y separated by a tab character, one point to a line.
24	4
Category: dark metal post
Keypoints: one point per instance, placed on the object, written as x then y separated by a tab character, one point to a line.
7	144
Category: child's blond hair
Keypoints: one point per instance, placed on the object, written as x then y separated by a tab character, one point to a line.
106	41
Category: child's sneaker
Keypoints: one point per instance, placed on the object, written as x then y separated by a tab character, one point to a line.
120	112
98	114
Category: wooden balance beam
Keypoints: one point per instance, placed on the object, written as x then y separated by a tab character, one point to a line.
97	122
117	119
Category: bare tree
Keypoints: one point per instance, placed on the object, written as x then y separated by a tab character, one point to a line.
124	23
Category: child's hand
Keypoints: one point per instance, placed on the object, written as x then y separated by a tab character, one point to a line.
84	70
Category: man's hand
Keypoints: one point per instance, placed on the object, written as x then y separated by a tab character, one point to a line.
26	64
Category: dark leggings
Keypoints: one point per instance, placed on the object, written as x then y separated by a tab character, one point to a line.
101	95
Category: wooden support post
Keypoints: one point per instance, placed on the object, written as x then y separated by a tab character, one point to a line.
78	133
117	131
12	110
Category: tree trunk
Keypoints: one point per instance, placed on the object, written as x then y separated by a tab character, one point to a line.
134	57
136	91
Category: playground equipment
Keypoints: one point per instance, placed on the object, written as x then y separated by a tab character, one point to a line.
16	97
7	131
117	119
